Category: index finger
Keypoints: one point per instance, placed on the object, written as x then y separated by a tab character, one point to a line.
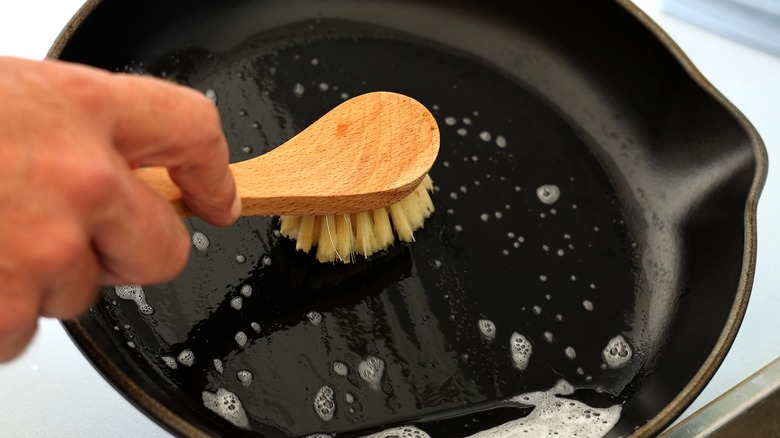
168	125
157	123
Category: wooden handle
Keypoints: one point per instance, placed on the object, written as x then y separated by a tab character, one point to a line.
369	152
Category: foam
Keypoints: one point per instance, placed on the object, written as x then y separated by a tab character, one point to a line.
340	368
556	416
200	241
548	193
617	353
211	95
245	377
227	405
324	403
400	432
218	365
520	349
135	293
487	329
371	370
314	317
298	90
186	358
241	338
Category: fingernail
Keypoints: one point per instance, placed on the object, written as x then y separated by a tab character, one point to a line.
237	207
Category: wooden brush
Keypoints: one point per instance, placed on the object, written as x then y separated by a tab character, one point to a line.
346	184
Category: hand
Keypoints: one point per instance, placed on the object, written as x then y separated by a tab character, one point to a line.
72	213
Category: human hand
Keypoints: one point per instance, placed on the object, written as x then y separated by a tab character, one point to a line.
72	213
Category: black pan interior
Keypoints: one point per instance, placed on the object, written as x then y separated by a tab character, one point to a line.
648	229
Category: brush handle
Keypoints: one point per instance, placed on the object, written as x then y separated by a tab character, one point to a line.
369	152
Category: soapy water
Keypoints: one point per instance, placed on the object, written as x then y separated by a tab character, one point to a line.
556	416
314	317
548	193
170	361
245	377
520	350
200	241
325	403
371	370
400	432
617	353
135	293
241	339
340	368
227	405
520	346
487	329
186	358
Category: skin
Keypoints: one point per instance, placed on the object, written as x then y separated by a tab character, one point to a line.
72	213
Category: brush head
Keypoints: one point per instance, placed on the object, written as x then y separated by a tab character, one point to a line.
342	237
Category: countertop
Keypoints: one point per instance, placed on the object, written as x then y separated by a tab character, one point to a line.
52	390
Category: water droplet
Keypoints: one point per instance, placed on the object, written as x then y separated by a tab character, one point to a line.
569	352
314	317
323	86
587	305
485	136
227	405
218	365
462	132
548	193
186	358
170	361
240	258
487	329
236	303
241	338
200	241
340	368
520	349
371	370
298	90
255	326
324	403
484	217
246	290
501	141
245	377
617	353
211	95
450	121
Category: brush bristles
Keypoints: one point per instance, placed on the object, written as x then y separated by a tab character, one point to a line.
341	237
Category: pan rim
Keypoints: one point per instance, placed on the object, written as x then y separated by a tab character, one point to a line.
726	339
177	425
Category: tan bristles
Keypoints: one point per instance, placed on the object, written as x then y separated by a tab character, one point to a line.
341	237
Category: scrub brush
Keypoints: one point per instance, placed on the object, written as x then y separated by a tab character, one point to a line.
346	183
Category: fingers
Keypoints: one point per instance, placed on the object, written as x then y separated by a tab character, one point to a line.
161	124
18	315
142	241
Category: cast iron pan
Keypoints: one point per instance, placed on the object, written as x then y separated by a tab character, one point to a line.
591	188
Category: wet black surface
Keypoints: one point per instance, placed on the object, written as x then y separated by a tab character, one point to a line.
525	265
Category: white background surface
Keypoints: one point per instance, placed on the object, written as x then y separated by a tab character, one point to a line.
53	391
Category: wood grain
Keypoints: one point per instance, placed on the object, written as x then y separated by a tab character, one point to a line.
369	152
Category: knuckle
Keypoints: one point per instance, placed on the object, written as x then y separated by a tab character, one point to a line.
58	248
